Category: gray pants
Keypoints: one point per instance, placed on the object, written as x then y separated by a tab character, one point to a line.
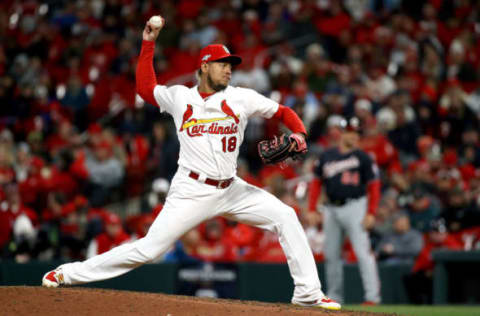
348	218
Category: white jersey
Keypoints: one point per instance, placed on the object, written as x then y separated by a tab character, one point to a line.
211	131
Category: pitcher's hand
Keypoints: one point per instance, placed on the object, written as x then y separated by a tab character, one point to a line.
298	143
150	33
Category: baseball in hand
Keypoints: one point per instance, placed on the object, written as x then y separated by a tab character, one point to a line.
156	21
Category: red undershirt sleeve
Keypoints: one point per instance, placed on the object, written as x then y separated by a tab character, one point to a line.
290	119
314	193
373	196
145	74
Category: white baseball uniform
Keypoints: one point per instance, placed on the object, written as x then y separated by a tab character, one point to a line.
210	132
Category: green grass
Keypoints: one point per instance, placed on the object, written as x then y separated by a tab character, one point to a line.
421	310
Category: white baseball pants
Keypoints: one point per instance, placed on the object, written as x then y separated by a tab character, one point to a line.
191	202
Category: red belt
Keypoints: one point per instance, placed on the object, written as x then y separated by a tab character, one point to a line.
220	184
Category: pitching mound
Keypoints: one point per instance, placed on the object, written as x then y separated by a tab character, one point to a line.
22	300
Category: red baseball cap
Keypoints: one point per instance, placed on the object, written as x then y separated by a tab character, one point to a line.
217	52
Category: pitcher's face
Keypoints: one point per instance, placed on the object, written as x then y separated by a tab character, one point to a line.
218	74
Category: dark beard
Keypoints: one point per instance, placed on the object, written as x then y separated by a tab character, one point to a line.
214	86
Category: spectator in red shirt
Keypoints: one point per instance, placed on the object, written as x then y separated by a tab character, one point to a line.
269	249
470	238
425	145
137	155
335	22
146	220
215	246
61	139
378	146
33	186
17	225
241	235
61	179
419	283
113	236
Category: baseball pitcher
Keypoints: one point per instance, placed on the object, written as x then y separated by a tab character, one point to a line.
210	120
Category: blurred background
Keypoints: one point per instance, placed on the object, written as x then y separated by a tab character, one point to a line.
85	163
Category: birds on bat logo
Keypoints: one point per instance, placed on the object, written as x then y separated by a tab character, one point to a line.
197	127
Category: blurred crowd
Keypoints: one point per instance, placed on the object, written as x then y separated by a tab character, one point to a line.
75	138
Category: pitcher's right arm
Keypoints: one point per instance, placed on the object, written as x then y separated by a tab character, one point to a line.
146	82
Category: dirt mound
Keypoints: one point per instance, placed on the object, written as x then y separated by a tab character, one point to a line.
23	300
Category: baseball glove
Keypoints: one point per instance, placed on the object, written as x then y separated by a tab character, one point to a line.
279	149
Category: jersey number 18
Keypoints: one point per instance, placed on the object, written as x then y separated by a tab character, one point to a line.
229	145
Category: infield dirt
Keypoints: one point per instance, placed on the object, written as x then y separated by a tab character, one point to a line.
24	300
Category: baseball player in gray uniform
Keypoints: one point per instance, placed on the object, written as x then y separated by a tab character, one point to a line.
210	120
348	176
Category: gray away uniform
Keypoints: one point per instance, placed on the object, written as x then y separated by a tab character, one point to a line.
345	177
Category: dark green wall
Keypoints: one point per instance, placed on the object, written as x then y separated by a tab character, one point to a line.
148	278
272	283
262	282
